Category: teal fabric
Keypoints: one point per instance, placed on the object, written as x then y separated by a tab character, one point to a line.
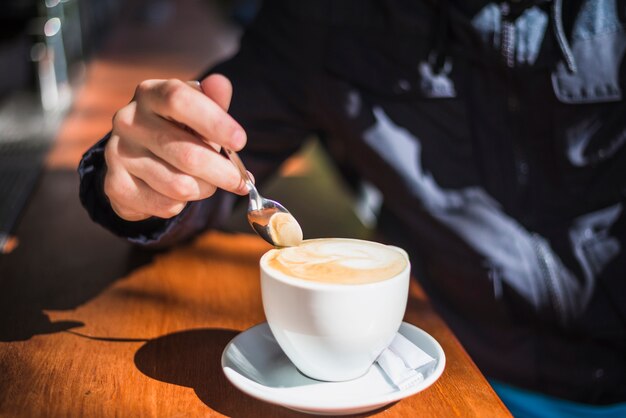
526	404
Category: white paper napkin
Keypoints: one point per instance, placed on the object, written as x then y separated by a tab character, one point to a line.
404	363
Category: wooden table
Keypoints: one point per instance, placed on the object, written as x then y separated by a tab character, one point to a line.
149	343
93	327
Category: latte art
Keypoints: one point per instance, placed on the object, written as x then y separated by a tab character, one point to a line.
338	260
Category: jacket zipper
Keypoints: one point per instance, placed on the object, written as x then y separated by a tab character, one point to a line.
507	51
548	268
507	36
546	260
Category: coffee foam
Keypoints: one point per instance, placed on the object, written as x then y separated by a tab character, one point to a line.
338	260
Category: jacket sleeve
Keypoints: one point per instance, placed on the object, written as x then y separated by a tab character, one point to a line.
268	101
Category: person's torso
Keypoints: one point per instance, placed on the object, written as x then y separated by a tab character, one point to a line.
500	148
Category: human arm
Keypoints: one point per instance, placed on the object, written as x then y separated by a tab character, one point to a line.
275	124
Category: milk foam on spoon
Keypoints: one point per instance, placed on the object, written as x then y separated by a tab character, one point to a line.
285	230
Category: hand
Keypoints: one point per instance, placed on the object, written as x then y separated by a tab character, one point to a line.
164	148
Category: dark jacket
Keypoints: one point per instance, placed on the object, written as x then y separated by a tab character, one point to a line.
496	133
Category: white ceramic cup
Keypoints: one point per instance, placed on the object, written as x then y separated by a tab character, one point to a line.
333	332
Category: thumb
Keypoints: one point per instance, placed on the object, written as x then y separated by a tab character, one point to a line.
219	89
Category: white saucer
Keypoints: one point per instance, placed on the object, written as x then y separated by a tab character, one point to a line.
255	364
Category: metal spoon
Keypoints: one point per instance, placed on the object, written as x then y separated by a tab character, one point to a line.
267	217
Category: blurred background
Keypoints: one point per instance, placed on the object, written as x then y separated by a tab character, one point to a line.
43	48
66	66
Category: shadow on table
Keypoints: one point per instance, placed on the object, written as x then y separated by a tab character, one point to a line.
63	260
193	359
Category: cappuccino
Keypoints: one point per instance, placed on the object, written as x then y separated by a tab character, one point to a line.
334	304
338	261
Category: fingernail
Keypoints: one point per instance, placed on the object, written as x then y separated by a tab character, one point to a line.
239	138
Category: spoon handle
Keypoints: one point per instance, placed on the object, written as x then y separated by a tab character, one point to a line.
255	198
234	158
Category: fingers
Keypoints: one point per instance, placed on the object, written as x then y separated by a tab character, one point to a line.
162	177
219	89
164	148
178	148
180	102
133	200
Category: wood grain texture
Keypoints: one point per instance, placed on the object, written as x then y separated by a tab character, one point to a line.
151	343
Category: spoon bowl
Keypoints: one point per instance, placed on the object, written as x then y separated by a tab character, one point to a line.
268	218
